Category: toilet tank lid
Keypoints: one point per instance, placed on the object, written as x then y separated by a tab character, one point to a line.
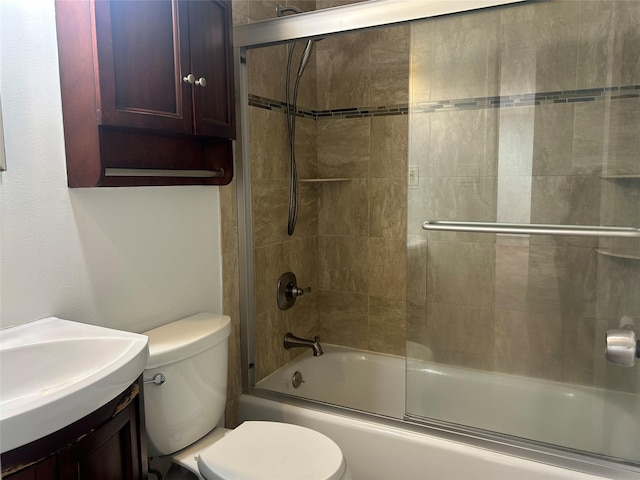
186	337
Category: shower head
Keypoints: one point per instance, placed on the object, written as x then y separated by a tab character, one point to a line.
282	9
305	57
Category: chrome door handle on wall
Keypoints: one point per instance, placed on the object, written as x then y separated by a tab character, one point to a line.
532	229
288	291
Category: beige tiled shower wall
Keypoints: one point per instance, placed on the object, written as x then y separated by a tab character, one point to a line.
538	305
362	220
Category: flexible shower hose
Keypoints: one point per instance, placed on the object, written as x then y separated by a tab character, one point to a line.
292	106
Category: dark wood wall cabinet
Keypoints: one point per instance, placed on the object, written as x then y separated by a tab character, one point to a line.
108	444
147	91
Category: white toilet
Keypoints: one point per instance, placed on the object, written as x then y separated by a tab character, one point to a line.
183	408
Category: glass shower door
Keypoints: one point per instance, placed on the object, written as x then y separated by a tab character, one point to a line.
523	246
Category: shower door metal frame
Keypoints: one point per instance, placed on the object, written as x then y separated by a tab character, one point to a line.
336	20
356	16
245	220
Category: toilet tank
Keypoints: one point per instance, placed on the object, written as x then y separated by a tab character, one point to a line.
192	355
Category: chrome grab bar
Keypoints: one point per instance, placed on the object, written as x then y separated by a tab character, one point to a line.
532	229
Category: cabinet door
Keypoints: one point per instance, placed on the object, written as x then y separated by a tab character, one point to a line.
109	453
211	58
44	470
143	53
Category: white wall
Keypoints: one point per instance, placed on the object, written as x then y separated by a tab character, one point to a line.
127	258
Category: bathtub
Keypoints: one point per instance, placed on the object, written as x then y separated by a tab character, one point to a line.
385	447
356	379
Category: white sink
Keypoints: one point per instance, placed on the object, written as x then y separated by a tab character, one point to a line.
54	372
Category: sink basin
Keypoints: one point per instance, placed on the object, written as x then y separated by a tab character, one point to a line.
54	372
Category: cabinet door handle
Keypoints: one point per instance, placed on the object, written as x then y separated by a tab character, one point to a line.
189	79
201	82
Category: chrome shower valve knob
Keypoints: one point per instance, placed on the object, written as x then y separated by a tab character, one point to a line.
288	291
292	290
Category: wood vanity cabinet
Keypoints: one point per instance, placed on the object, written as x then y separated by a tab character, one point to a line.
147	91
108	444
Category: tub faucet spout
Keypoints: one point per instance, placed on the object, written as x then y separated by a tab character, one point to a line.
291	341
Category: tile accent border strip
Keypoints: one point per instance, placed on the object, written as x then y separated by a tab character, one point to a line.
354	112
506	101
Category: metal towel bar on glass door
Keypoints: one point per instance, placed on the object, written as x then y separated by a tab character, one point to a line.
532	229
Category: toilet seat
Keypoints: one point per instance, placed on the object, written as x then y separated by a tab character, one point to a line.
272	451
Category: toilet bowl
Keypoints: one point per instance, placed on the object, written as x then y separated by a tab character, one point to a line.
185	396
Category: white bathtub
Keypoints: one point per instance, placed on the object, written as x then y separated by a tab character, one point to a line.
380	450
346	377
